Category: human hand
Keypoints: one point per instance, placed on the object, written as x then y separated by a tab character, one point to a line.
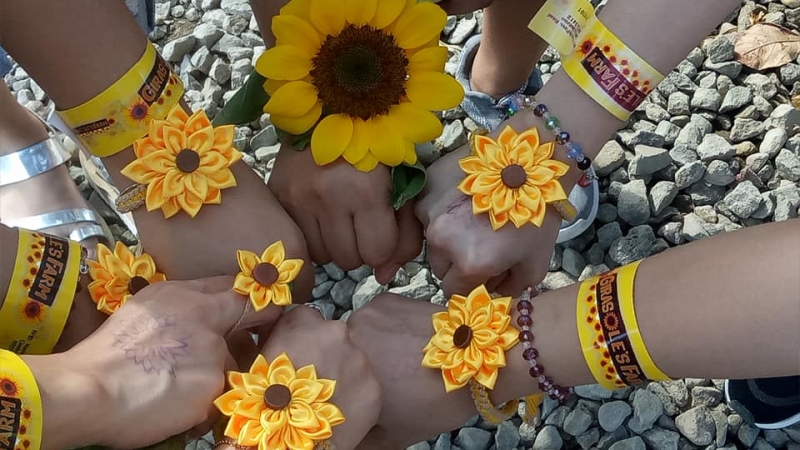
157	363
307	338
393	330
463	249
345	214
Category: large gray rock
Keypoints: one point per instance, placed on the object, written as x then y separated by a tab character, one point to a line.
787	163
736	97
607	234
661	195
714	147
632	204
648	160
613	414
548	439
744	129
719	173
634	443
577	422
773	142
744	200
636	245
207	34
610	157
693	228
473	439
697	424
507	436
661	439
720	49
647	408
689	174
366	290
593	392
708	99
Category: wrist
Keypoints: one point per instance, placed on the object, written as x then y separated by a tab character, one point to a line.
74	403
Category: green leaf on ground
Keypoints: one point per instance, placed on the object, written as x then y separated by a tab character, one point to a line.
407	182
246	105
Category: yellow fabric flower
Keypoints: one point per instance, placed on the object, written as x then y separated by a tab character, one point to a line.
276	407
374	67
470	339
266	279
512	178
185	162
117	276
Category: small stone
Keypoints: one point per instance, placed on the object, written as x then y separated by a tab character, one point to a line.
671	231
648	160
334	272
715	146
220	71
708	99
705	194
607	234
719	173
548	439
473	439
322	289
661	439
202	60
762	85
613	414
424	445
669	130
361	273
697	425
776	438
789	74
442	442
744	129
267	137
176	49
745	148
747	434
736	97
419	287
744	199
573	263
593	392
606	213
342	293
720	49
557	280
678	103
730	69
507	436
610	157
787	165
610	439
693	228
463	30
773	142
556	258
588	438
682	155
453	136
633	205
705	396
636	245
661	195
236	7
696	57
634	443
640	137
647	408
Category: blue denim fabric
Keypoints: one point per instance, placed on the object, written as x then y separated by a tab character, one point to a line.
5	63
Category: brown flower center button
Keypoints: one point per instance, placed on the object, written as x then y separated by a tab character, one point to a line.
462	337
265	274
136	284
277	396
187	160
514	176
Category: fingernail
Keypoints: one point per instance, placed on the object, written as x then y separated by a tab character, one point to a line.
386	275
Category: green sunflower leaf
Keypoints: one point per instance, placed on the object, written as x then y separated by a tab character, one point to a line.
246	105
407	182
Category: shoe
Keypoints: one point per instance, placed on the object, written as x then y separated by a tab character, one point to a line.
767	403
489	113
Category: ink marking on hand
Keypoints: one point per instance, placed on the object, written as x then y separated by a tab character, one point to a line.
155	344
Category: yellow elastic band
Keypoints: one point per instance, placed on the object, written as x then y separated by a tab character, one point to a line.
111	121
590	333
21	420
40	293
625	279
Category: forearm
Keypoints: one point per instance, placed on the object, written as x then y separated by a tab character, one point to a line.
699	311
74	404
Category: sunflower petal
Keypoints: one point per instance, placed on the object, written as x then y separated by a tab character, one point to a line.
292	30
367	164
417	124
360	12
434	91
388	145
387	12
331	138
294	99
284	62
359	144
419	25
298	125
327	16
431	59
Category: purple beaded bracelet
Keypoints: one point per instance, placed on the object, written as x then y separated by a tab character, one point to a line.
522	102
525	322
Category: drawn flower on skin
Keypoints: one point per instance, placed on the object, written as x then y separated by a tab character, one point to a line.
374	67
471	339
118	276
276	407
155	344
266	279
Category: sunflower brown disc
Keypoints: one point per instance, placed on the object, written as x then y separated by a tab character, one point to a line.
514	176
265	274
277	396
187	160
462	337
136	284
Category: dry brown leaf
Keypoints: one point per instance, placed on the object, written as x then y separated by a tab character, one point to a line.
757	16
766	46
796	101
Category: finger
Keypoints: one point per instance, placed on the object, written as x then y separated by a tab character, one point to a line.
438	259
456	281
409	244
310	227
209	285
228	312
522	276
376	235
340	240
243	348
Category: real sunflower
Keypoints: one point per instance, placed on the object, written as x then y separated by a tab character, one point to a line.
372	69
512	178
266	279
276	407
118	276
185	162
471	339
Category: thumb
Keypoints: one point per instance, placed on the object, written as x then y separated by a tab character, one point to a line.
231	312
520	277
409	243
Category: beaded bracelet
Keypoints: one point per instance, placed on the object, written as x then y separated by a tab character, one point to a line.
530	354
522	102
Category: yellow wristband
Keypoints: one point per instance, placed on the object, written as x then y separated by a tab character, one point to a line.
625	279
111	121
610	72
40	293
21	420
590	333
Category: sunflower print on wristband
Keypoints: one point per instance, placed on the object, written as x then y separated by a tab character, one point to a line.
267	279
470	339
185	163
512	178
372	69
276	407
118	276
